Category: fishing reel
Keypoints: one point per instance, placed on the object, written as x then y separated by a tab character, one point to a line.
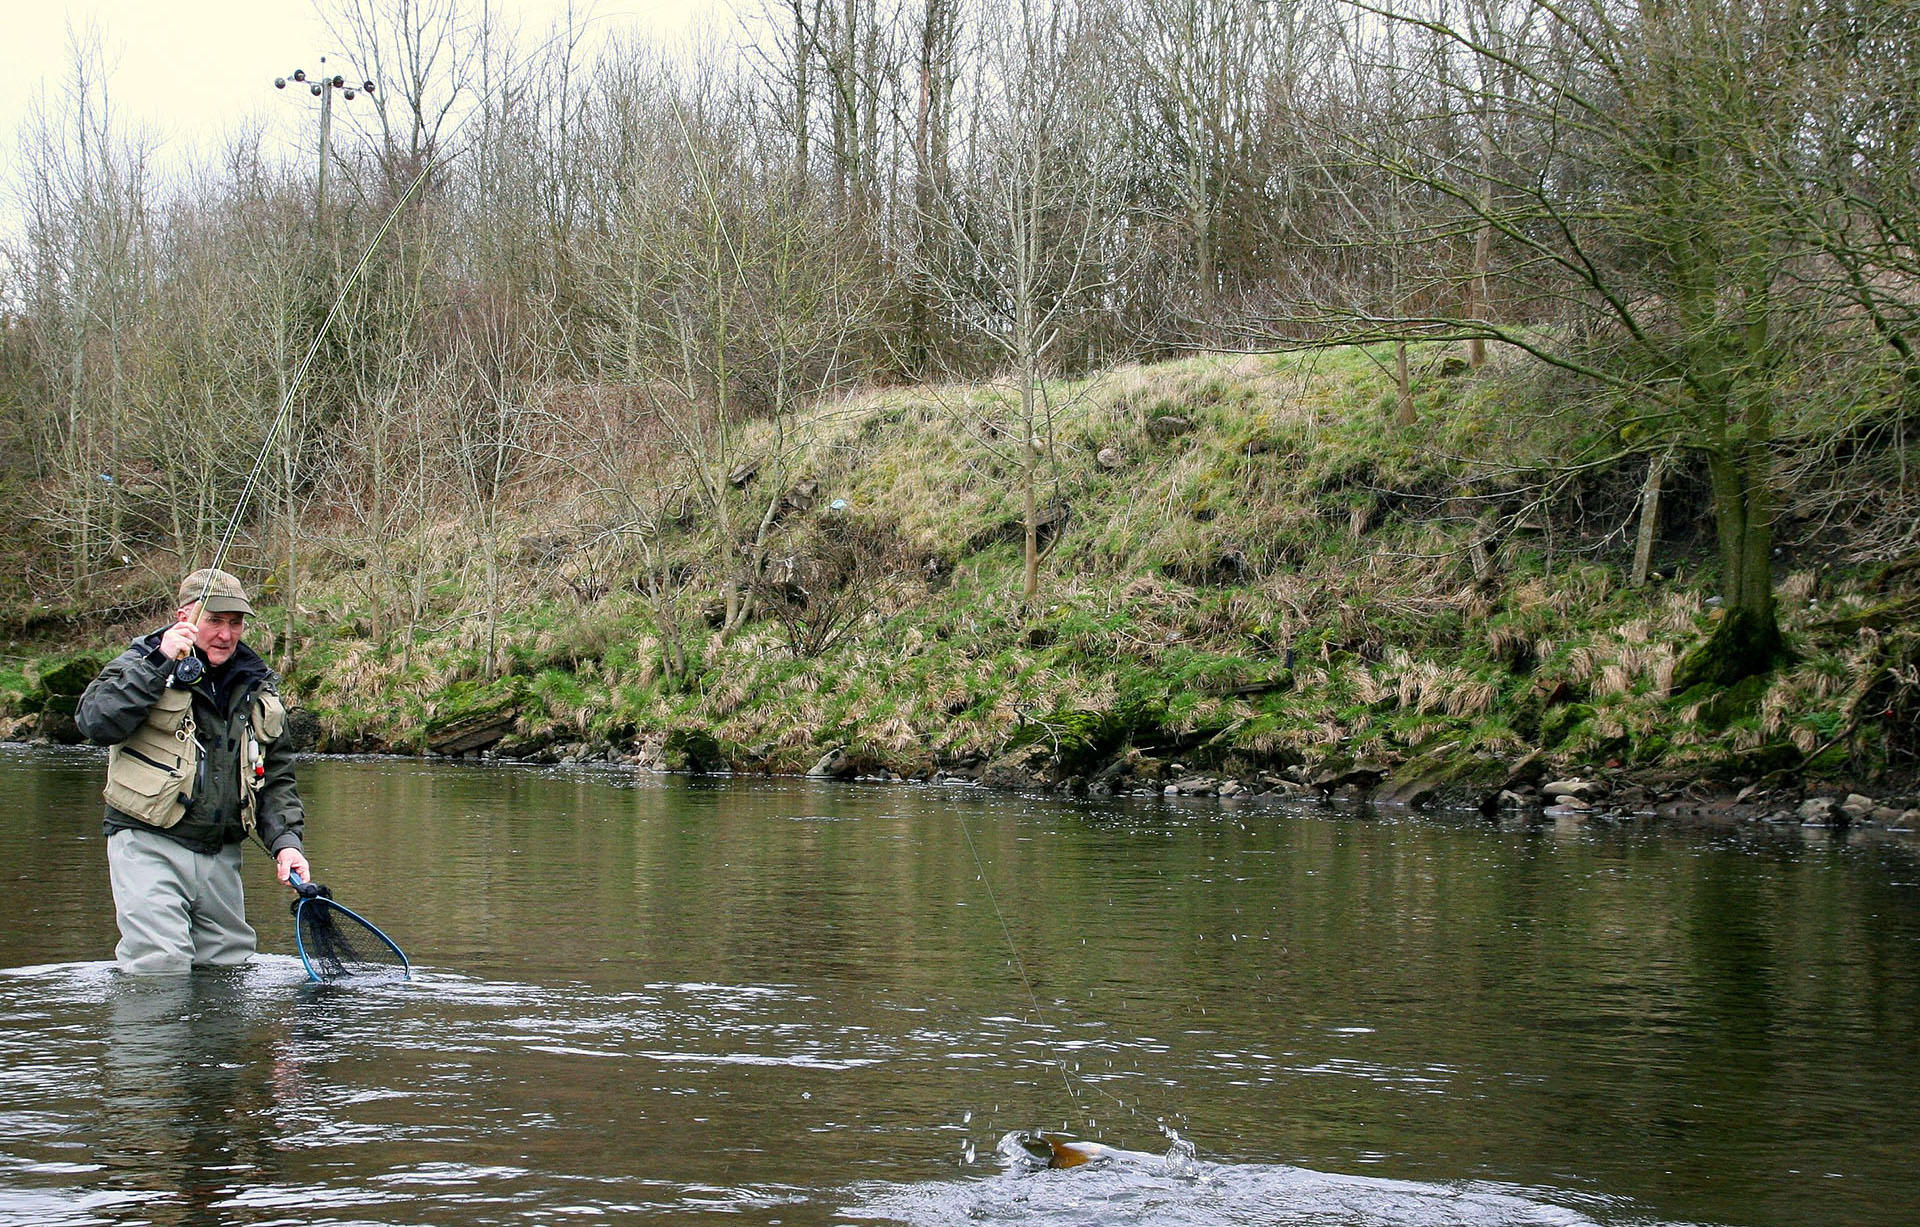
188	670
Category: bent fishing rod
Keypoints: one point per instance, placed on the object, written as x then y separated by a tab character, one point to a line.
189	668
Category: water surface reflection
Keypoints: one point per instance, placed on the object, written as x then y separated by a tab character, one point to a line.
778	1002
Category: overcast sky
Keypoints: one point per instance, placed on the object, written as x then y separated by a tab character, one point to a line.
193	70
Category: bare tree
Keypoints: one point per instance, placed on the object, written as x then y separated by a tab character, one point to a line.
499	374
725	292
88	267
1029	227
421	55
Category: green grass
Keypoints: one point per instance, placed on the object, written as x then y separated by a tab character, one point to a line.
1295	516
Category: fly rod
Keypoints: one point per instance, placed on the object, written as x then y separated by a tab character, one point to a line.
189	668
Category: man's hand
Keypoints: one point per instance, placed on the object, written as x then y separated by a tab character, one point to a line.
178	642
289	861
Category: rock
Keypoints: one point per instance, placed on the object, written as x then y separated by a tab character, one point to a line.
57	727
1909	820
1884	816
1583	790
519	746
1526	772
1446	777
1232	788
73	677
473	715
1414	793
694	750
477	734
1856	807
1111	458
303	729
799	500
1339	772
1168	426
1108	776
1048	523
834	764
1818	811
743	473
1010	777
1508	799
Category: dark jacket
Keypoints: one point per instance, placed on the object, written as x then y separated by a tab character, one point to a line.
117	703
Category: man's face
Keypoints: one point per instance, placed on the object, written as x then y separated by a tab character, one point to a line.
219	635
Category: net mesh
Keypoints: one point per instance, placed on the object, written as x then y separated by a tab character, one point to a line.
339	945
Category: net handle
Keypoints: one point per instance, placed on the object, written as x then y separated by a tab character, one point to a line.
308	890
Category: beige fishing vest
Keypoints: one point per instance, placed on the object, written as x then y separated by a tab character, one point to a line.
266	720
150	775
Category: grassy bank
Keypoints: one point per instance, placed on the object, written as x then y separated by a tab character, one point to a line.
1249	569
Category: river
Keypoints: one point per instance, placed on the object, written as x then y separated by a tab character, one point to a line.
779	1002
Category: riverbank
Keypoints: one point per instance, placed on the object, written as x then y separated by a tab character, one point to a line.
1252	580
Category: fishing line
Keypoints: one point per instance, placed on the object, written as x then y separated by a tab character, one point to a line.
189	668
1026	981
1067	1076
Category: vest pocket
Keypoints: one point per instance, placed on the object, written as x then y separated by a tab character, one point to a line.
269	716
147	786
169	711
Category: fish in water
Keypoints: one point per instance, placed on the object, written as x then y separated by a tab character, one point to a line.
1053	1150
1069	1152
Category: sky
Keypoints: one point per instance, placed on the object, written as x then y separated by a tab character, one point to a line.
193	70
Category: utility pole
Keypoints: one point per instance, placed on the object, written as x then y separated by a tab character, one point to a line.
322	87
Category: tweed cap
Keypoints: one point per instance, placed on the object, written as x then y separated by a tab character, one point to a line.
223	591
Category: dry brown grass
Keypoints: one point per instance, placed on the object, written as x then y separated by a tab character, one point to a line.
726	698
1679	613
1472	698
1585	662
897	736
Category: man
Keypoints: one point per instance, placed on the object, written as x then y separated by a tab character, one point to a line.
199	762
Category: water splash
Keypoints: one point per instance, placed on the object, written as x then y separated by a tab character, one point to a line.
1178	1189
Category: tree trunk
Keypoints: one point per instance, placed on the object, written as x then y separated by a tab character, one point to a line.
1403	384
1649	518
1747	640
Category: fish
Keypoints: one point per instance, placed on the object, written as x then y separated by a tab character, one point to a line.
1058	1151
1070	1152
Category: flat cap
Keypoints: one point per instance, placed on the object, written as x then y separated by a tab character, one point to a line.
223	592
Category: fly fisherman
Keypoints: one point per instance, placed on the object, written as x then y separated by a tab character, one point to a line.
198	763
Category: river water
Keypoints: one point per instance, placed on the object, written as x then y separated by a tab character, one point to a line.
643	999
